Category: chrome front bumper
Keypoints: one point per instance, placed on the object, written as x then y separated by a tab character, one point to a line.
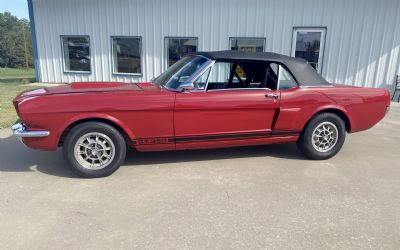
19	130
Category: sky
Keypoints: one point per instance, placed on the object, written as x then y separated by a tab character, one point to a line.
18	8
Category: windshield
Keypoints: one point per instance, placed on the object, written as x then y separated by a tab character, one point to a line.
181	71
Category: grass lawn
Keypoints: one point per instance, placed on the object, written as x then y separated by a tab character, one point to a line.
7	92
8	75
11	83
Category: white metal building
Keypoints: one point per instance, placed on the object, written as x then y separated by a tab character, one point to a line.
355	42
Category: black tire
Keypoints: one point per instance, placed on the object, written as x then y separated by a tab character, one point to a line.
110	136
305	142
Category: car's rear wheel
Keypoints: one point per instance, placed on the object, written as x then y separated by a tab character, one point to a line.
94	149
323	137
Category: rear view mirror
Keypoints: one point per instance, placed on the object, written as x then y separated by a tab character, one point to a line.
187	86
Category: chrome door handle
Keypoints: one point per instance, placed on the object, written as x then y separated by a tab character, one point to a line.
275	96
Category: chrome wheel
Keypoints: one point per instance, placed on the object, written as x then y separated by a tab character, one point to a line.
325	137
94	151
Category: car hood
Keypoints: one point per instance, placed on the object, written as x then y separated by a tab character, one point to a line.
89	87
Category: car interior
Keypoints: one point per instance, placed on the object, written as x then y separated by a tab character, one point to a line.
249	74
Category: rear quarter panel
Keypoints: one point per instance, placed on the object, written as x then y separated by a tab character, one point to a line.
297	106
364	107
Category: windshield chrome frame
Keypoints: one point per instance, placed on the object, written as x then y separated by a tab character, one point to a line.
200	71
194	76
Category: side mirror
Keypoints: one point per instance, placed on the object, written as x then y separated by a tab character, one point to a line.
187	86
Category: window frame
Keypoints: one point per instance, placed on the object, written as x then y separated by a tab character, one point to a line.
63	55
288	71
264	39
209	66
113	72
166	46
323	30
197	75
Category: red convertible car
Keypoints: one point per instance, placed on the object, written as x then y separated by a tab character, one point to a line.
205	100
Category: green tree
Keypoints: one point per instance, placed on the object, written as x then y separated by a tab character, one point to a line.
12	49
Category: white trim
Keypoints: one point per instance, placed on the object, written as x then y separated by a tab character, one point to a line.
63	56
113	72
296	30
235	89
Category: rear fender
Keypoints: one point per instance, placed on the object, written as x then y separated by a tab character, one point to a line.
333	109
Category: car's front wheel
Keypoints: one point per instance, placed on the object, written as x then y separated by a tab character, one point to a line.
94	149
323	136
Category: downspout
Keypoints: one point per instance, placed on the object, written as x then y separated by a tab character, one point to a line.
34	42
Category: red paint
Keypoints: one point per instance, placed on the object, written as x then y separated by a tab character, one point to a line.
159	119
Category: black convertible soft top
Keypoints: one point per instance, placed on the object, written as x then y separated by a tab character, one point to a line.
302	71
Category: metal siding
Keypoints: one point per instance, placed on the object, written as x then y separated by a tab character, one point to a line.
362	40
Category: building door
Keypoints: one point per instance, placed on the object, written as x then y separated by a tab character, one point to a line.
308	43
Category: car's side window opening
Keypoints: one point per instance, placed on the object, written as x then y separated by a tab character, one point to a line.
285	79
233	75
219	77
251	75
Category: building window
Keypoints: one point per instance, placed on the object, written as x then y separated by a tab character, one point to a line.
247	44
177	47
308	43
76	51
126	53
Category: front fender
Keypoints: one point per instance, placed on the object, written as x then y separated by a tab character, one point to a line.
96	116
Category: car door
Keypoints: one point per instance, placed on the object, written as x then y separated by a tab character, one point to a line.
223	115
